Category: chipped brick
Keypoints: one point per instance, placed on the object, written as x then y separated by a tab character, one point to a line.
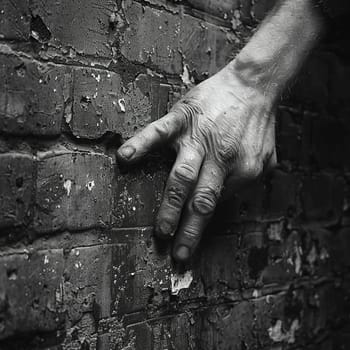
17	185
32	96
14	19
73	191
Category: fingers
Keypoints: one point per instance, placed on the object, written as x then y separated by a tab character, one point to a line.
199	209
182	179
158	132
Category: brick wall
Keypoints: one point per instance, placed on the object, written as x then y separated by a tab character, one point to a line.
79	268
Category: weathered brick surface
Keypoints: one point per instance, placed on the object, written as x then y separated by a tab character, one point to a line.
166	41
14	19
32	96
74	191
30	292
324	206
82	25
101	103
138	195
17	186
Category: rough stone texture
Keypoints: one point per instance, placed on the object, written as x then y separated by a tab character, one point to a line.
168	41
74	191
102	104
138	195
32	96
30	292
79	266
81	25
14	19
17	185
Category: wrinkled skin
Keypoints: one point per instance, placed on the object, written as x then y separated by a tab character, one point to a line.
223	132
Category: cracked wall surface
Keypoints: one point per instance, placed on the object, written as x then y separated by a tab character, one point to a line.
79	266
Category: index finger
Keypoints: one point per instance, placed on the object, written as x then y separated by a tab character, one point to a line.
156	133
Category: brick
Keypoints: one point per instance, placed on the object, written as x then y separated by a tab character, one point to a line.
152	36
140	272
138	195
261	8
81	25
290	138
144	277
222	8
30	286
339	249
291	318
245	206
102	104
338	93
325	206
282	195
302	315
277	256
165	41
217	267
329	146
17	185
74	191
226	326
14	20
206	48
88	281
318	253
311	88
33	96
174	332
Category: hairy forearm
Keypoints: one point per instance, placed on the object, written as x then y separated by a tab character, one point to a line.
281	44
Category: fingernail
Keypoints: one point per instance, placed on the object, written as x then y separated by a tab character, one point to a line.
165	228
127	152
182	253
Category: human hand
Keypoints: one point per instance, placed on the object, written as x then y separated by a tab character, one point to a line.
223	132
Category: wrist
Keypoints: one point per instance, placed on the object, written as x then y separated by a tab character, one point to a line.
279	47
257	72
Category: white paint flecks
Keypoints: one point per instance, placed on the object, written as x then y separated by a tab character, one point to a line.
297	262
185	76
255	293
312	256
68	186
324	254
90	185
277	334
180	281
97	77
46	260
274	231
121	103
68	113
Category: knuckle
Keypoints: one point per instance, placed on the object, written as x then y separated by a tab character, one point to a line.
204	201
191	234
161	129
251	168
228	150
188	107
176	196
185	173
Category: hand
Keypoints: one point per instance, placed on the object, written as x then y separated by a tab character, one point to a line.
222	129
